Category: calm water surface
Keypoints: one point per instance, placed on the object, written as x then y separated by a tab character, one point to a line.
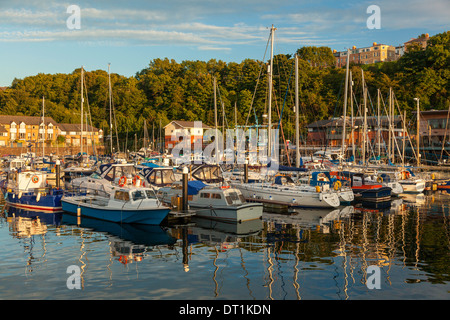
305	254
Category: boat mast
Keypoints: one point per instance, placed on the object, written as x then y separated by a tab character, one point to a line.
297	131
379	124
418	132
353	120
110	108
365	118
270	72
82	99
216	142
345	108
43	128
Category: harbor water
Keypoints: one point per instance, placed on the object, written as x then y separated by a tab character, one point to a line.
358	252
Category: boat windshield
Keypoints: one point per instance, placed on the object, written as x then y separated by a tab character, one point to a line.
150	194
138	195
95	175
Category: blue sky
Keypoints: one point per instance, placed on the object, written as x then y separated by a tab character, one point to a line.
34	37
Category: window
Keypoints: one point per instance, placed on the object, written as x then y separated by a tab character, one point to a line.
216	196
138	195
204	195
122	196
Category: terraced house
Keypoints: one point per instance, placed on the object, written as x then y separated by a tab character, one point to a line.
18	131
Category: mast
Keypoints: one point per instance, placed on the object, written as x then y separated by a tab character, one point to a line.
418	132
43	127
390	125
365	119
404	138
379	124
216	142
353	120
297	131
82	99
110	108
345	107
145	138
270	72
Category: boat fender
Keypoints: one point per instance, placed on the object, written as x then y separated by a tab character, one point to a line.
433	176
122	181
20	194
317	188
337	185
38	197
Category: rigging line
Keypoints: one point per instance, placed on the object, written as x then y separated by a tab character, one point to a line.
334	115
256	87
445	133
282	133
90	120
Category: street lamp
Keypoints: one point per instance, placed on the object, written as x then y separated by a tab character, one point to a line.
418	132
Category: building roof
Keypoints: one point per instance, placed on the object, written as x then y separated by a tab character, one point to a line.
76	127
358	121
29	120
187	124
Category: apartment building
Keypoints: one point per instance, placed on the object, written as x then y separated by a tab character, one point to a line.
368	55
18	130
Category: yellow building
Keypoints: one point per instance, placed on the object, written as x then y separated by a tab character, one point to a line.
72	134
20	130
368	55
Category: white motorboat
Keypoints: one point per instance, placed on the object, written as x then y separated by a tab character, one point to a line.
214	202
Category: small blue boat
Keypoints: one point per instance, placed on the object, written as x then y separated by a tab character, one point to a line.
122	205
30	190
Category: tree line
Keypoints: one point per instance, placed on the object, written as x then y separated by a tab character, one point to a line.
168	90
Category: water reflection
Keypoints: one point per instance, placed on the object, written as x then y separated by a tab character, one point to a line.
303	254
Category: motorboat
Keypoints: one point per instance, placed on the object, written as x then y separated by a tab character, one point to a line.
211	201
108	176
120	205
367	192
324	178
29	189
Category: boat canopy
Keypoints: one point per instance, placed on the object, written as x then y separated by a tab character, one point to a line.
195	186
287	168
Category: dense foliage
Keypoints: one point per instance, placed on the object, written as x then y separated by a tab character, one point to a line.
167	90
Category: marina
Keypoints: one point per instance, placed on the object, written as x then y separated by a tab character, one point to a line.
306	254
315	173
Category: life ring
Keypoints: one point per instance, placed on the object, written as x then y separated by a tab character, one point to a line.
379	179
136	178
317	188
337	185
35	179
122	181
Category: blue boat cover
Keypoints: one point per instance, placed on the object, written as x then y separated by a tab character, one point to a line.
195	186
150	165
286	168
